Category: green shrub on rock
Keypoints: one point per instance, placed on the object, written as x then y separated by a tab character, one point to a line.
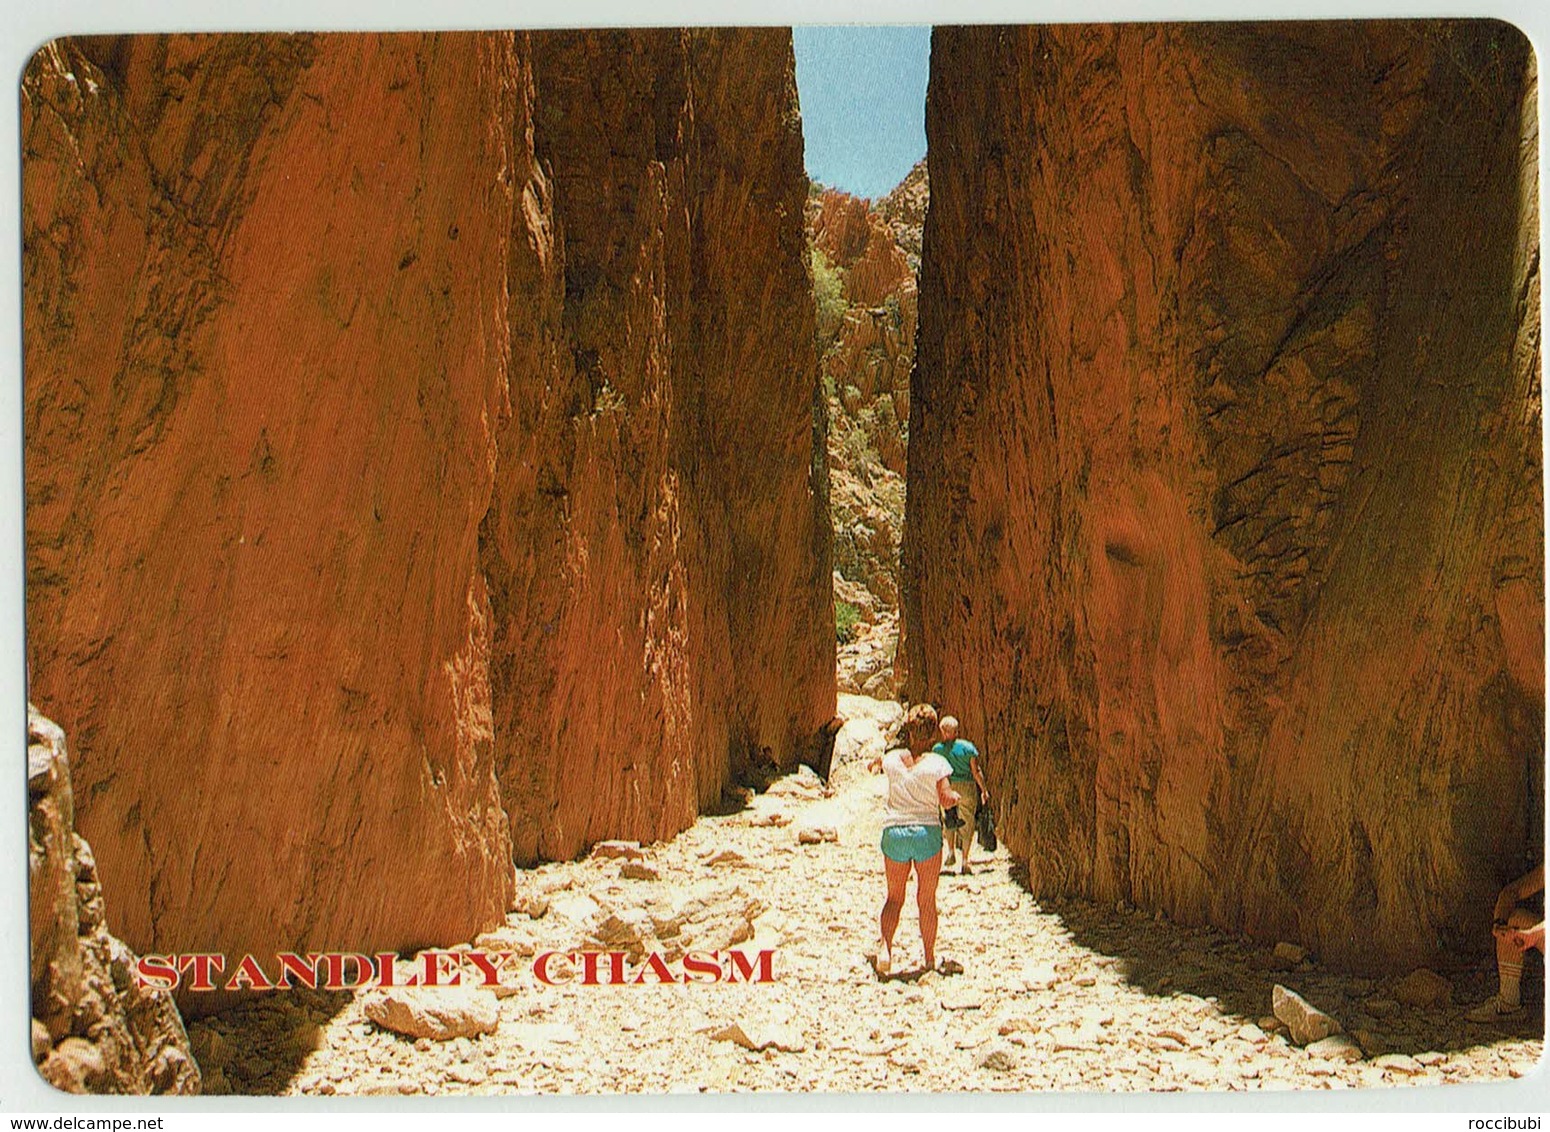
845	617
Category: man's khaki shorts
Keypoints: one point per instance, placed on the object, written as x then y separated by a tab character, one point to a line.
968	792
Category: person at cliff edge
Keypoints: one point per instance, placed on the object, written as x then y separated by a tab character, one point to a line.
1518	930
966	781
912	830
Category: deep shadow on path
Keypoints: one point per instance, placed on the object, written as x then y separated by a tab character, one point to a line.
1163	959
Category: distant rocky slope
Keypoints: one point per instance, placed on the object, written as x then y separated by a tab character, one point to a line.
865	257
416	480
94	1029
904	211
1225	531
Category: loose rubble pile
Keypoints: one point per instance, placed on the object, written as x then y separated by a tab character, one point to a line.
1053	995
865	662
94	1030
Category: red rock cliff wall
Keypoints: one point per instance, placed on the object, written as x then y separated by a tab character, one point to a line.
658	550
1225	531
265	344
374	447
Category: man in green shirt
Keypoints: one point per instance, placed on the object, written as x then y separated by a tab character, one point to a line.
967	779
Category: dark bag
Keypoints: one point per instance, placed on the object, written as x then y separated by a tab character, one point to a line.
952	819
985	826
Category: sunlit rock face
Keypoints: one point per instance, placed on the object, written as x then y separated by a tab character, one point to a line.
395	459
1225	530
265	303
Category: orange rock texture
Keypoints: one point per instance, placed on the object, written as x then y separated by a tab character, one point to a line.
1225	530
875	345
387	456
658	553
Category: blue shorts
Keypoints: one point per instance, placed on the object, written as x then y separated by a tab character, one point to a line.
912	842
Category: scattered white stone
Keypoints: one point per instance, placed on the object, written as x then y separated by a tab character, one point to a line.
998	1060
1306	1022
761	1036
550	1041
975	1037
860	740
803	784
884	713
438	1013
539	1035
964	998
1336	1047
1078	1040
628	850
467	1074
508	938
1039	976
1170	1039
1399	1063
1371	1077
625	927
578	908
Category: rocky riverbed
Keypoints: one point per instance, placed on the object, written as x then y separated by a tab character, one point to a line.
1053	996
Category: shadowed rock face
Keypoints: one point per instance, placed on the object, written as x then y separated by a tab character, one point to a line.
661	495
1225	531
383	457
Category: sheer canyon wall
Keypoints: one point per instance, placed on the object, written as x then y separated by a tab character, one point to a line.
420	462
1225	529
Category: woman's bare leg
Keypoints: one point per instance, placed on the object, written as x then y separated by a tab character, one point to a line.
898	875
926	874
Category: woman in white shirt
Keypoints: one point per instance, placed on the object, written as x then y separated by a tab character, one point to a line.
912	831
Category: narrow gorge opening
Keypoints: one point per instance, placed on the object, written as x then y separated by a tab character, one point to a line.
863	94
